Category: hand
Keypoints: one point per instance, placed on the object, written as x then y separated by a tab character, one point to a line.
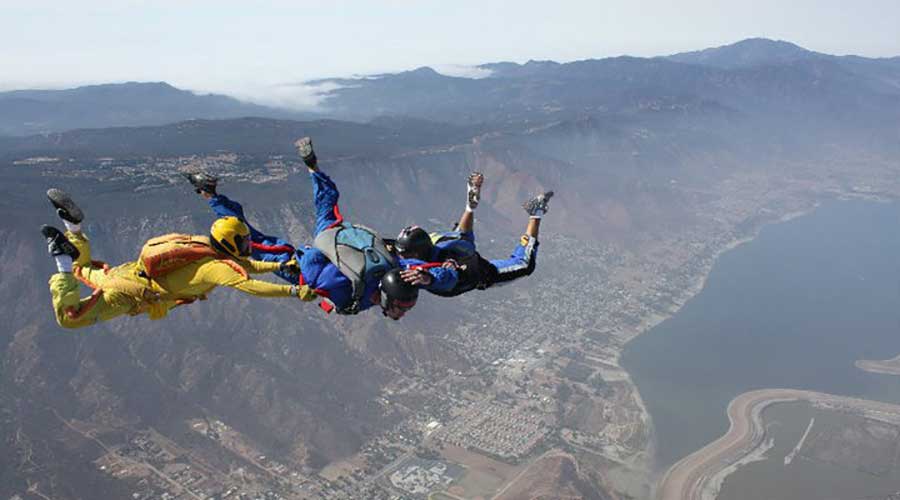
450	264
304	292
418	277
290	267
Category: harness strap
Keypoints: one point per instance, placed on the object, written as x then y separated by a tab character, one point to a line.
339	219
272	248
237	267
427	265
325	305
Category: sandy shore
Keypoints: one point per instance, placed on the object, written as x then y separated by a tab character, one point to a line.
887	367
691	478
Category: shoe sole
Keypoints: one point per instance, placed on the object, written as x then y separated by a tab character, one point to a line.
473	190
207	186
62	201
305	147
67	247
307	153
50	231
544	200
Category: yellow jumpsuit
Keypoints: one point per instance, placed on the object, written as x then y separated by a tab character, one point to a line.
121	290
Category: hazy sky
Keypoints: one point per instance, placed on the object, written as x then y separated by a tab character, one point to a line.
252	48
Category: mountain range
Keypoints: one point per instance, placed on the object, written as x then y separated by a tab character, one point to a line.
754	75
24	112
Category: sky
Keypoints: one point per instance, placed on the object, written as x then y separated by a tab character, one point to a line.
261	49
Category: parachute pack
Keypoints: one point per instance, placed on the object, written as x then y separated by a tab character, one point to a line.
359	253
164	254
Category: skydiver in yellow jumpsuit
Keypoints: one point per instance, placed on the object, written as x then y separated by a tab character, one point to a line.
126	289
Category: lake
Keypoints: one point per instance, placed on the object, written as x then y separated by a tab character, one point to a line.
793	308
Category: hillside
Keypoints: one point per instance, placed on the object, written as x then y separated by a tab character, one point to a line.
25	112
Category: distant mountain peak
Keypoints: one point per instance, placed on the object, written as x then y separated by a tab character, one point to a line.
746	53
130	85
424	71
515	70
765	43
538	62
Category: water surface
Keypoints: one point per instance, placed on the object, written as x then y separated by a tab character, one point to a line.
793	308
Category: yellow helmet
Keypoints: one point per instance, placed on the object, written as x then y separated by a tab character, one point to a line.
230	235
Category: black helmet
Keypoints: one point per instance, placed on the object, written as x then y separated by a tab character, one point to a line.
414	243
397	293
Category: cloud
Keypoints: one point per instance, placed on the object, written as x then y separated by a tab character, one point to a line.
295	96
462	71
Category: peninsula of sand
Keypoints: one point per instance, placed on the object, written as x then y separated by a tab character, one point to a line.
700	475
887	367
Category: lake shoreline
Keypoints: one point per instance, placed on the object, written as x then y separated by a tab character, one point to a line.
883	367
699	284
699	476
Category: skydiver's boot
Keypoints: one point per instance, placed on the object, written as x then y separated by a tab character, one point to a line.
538	206
306	152
66	208
473	190
60	248
203	182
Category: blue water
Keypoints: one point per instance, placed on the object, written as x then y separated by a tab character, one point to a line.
793	308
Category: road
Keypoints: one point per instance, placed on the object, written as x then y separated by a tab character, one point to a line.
159	473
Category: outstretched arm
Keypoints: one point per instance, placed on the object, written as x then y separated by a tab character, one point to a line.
221	273
261	267
437	279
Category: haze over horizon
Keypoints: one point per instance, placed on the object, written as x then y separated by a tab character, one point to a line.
260	52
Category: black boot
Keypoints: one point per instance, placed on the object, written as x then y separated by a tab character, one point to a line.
58	244
202	182
65	206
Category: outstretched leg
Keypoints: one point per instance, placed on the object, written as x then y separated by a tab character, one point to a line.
73	249
536	208
523	260
521	263
325	192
